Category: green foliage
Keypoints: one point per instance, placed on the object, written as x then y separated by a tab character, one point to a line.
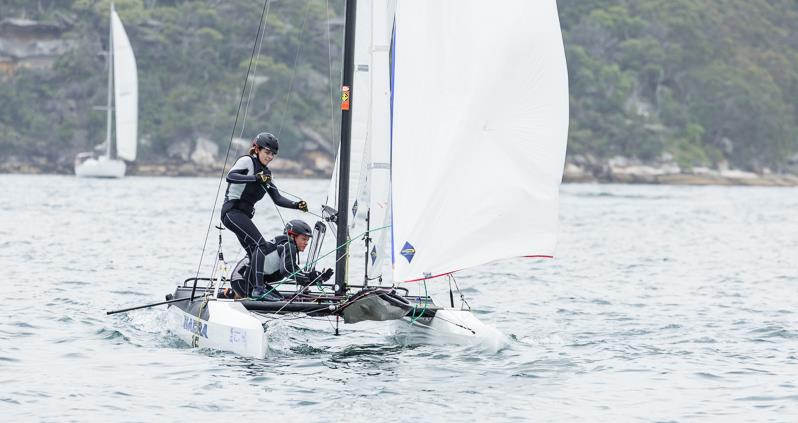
703	81
192	57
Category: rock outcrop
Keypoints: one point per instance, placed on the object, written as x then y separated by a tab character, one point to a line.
31	44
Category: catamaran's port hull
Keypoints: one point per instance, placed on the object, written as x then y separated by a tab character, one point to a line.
222	324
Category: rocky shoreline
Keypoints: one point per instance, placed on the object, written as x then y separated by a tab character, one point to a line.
622	171
628	171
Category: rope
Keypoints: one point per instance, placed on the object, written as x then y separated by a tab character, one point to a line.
426	296
232	134
311	264
332	96
462	297
252	86
296	61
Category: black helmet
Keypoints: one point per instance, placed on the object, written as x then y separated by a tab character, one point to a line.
298	227
266	140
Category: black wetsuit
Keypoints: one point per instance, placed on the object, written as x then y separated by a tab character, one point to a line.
286	264
281	261
239	207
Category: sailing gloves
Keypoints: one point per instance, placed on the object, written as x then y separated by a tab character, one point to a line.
326	275
263	178
301	205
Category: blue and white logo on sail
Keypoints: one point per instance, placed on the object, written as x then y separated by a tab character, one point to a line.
408	251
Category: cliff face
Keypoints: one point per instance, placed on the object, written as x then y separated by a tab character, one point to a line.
31	45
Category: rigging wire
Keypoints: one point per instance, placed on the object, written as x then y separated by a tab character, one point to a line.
296	61
333	127
311	264
252	85
462	297
261	27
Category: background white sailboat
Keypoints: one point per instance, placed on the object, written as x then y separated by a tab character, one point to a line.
123	101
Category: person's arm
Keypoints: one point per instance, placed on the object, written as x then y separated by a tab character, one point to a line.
242	172
289	267
282	201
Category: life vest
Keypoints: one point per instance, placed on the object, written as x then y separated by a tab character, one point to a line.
252	192
274	258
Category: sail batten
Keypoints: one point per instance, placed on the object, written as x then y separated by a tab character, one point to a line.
480	121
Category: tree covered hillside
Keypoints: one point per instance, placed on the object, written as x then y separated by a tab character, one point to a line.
192	57
707	82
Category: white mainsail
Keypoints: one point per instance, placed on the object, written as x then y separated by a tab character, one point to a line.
480	121
125	91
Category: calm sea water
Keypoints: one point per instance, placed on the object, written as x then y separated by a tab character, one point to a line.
663	304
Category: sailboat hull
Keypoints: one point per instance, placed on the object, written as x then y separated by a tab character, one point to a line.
240	326
221	324
100	167
449	327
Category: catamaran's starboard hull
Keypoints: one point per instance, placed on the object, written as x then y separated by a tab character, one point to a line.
100	168
449	327
221	324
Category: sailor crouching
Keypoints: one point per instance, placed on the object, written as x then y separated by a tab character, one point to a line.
280	262
283	261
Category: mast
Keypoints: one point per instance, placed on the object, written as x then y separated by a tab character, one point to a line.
110	57
346	134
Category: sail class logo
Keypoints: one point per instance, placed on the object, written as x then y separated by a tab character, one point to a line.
408	251
373	255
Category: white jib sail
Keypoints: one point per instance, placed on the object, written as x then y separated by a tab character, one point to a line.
126	89
480	122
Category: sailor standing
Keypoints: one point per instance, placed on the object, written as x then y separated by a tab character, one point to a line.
248	181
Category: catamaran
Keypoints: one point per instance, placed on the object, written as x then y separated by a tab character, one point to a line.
453	136
123	90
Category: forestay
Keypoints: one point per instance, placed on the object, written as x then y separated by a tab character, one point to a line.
126	88
480	120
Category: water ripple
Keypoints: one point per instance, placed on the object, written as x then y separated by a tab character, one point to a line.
663	304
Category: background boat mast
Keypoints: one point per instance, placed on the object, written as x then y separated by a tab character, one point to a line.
110	57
